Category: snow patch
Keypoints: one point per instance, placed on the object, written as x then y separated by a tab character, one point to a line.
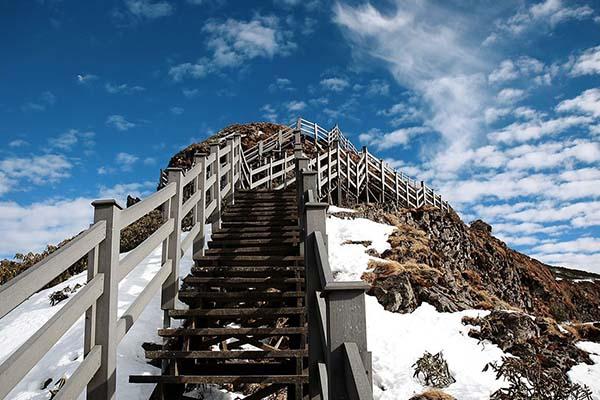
588	375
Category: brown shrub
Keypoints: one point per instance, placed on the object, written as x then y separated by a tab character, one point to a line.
433	394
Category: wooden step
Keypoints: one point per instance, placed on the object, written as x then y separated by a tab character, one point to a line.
260	250
241	295
248	281
208	354
280	241
253	223
260	228
255	312
284	235
289	214
285	331
248	271
253	260
219	379
261	207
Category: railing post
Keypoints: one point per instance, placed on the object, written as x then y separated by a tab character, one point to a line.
338	169
231	173
346	322
315	217
348	176
382	181
366	155
104	323
198	244
216	189
238	157
170	288
329	162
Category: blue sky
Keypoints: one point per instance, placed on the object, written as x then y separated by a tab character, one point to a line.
495	104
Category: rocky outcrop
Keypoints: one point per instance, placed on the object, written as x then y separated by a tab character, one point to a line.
438	259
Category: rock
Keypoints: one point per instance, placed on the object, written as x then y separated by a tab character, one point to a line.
481	226
433	395
132	200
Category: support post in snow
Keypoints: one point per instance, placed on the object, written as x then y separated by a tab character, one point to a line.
366	157
103	324
199	240
231	174
347	176
382	181
329	162
338	170
216	188
170	287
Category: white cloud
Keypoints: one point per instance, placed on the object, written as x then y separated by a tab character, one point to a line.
530	130
149	9
188	70
294	106
423	48
522	67
18	143
123	88
126	160
190	93
384	141
281	84
120	191
84	79
587	102
32	227
269	112
546	14
45	100
67	140
510	95
177	110
119	122
588	63
335	84
590	262
234	41
37	170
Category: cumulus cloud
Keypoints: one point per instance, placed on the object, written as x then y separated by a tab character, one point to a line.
335	84
588	63
383	141
295	106
37	170
119	122
587	102
125	160
543	15
85	79
233	42
67	140
149	9
123	88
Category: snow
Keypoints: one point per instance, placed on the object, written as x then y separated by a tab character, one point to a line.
588	375
398	340
349	261
336	209
67	354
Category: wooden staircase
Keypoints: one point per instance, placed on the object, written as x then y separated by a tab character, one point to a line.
246	322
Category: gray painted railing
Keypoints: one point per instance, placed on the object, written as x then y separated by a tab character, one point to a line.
338	353
210	182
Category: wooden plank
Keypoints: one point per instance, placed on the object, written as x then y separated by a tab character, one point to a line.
138	210
357	382
18	289
218	379
77	382
236	312
169	332
208	354
15	367
143	250
190	203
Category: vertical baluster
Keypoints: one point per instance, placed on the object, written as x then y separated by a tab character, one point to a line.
104	323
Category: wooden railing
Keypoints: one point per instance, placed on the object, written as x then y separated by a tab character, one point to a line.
199	192
338	353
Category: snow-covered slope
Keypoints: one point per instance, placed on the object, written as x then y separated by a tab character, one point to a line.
398	340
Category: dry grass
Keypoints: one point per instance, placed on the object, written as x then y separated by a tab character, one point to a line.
433	394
